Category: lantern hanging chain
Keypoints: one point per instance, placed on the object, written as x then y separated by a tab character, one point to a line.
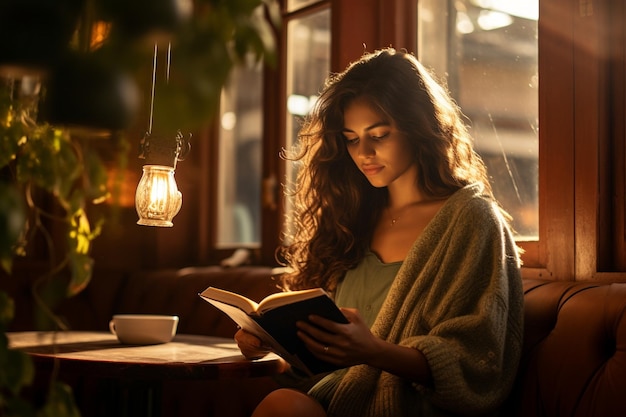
154	68
169	60
182	145
154	74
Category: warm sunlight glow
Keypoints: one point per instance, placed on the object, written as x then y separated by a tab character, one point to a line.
490	20
524	9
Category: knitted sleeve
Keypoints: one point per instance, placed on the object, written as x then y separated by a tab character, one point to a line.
470	316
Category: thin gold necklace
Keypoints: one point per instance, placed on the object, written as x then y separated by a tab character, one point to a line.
394	220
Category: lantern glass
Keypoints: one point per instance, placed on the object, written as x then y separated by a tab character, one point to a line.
157	198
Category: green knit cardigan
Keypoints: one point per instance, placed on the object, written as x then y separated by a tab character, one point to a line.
457	298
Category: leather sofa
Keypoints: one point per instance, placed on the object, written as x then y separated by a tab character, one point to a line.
574	357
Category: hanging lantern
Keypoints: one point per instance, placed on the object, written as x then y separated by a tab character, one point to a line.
157	198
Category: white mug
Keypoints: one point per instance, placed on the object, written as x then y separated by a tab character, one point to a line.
143	329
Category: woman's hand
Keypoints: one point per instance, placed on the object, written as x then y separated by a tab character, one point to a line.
337	343
354	344
251	346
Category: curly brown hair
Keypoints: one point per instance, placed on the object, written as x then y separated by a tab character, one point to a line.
335	207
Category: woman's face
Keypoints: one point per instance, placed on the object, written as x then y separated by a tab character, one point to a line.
378	149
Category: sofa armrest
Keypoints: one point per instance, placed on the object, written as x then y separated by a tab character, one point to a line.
574	358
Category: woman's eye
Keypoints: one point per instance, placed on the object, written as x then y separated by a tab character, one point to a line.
352	141
380	136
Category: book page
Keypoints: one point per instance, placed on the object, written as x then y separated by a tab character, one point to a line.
231	298
287	297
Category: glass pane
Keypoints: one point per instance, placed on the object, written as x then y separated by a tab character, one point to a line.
308	65
241	129
489	61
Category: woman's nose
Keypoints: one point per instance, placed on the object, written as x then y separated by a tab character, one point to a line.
366	148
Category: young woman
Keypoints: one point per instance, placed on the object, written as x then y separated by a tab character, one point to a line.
395	217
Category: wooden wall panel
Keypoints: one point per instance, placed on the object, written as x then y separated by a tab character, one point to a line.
556	133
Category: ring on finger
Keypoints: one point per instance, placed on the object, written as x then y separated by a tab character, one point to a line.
325	349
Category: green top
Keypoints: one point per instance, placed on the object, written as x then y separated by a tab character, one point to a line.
366	286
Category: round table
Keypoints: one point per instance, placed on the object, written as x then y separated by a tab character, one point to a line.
142	367
185	357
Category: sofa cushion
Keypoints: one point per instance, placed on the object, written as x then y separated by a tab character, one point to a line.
171	291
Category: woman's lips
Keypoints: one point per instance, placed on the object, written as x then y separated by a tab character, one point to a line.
371	169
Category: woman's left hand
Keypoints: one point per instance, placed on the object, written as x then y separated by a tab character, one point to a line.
338	343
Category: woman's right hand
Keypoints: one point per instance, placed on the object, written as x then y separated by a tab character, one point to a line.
251	346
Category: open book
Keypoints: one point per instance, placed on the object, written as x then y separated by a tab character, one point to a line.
273	320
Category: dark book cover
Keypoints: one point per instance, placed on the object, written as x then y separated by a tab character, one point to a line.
280	322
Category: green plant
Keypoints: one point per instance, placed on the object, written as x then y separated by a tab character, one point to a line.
50	176
18	372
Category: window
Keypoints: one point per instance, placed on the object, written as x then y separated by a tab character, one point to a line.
239	171
308	65
242	193
490	62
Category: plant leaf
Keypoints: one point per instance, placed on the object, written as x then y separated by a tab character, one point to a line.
79	242
7	309
19	370
81	266
96	177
